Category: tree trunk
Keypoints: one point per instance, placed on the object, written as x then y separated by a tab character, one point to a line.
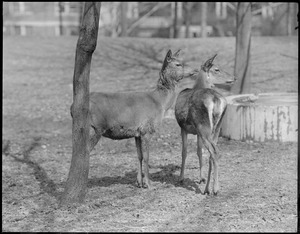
81	5
175	35
242	68
124	23
60	9
76	184
203	19
288	19
187	15
179	19
218	10
295	15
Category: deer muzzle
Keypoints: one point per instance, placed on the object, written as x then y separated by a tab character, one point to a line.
231	81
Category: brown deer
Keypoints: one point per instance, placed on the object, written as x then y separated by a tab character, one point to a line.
137	114
199	111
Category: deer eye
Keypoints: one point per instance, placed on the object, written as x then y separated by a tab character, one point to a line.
179	65
217	69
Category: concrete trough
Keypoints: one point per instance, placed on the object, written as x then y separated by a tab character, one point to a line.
261	118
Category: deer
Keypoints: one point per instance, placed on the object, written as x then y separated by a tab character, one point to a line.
199	111
123	115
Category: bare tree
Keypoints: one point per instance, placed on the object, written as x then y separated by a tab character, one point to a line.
112	25
187	17
288	19
60	10
242	68
203	19
175	24
76	184
80	9
124	21
140	20
297	21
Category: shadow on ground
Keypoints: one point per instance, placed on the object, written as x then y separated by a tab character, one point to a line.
164	176
46	184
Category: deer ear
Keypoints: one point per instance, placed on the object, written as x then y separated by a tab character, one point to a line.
177	53
169	56
208	64
167	59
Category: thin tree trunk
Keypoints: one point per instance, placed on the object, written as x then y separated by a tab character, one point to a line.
295	16
81	5
242	68
124	22
179	19
60	9
203	19
224	10
288	19
218	9
175	21
188	8
76	184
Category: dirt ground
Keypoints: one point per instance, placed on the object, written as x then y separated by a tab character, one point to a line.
258	181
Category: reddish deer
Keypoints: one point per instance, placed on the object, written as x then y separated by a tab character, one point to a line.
199	111
137	114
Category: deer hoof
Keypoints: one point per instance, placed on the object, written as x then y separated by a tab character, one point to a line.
202	180
138	184
147	186
181	180
206	191
216	191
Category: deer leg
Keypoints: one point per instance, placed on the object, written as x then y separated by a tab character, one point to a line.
212	160
216	133
207	141
146	162
199	153
138	144
94	140
216	175
184	153
206	190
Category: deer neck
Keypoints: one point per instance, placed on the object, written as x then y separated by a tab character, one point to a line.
200	82
165	81
166	91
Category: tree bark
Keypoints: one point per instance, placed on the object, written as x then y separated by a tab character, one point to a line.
81	6
242	68
60	9
187	16
124	23
288	19
76	184
175	30
203	19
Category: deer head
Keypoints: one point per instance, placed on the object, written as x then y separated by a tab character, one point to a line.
215	74
173	70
